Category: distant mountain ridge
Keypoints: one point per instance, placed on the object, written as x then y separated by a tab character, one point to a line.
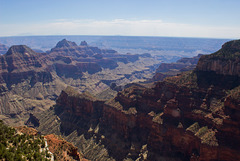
163	43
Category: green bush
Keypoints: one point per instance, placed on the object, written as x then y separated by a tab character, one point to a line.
15	147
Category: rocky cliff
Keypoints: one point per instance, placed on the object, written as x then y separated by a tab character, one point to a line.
224	62
222	67
61	149
85	55
168	121
181	118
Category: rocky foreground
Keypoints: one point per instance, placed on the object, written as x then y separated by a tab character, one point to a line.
24	143
192	116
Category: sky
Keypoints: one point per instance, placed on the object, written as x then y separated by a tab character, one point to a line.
173	18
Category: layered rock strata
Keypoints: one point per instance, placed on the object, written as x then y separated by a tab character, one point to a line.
181	118
30	82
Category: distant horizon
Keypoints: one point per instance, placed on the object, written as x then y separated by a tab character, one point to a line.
144	43
120	36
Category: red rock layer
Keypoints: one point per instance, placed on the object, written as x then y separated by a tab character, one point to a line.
62	149
174	121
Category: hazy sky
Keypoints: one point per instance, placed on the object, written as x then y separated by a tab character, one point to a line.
178	18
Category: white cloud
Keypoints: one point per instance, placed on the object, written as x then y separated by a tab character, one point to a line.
119	27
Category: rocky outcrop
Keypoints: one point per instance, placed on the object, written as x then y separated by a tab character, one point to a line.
65	43
222	67
21	58
73	102
21	63
224	62
83	43
62	149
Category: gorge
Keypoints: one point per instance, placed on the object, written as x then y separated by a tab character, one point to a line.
103	102
191	116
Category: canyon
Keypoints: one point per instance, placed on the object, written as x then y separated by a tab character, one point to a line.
30	82
191	116
106	104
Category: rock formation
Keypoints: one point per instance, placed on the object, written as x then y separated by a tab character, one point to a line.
65	43
83	43
23	75
221	66
30	82
181	118
85	53
224	62
62	149
21	62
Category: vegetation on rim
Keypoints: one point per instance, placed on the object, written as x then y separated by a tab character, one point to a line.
16	146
